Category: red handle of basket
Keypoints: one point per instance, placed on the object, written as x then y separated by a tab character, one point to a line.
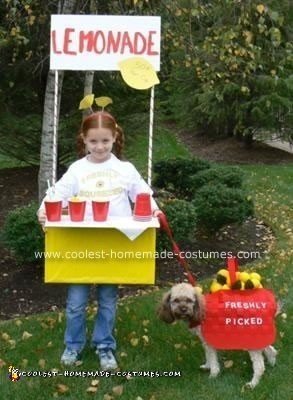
232	266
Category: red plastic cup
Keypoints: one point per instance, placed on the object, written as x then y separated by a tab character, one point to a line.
100	210
53	210
76	210
142	208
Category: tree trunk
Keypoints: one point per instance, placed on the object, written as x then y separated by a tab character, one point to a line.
89	75
88	88
88	82
46	156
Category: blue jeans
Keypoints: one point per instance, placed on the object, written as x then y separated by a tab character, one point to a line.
77	299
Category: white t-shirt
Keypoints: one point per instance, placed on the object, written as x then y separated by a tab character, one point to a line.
114	180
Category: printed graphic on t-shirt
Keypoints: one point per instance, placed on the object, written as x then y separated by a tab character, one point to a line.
101	184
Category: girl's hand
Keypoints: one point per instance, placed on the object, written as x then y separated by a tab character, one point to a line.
156	213
41	214
162	219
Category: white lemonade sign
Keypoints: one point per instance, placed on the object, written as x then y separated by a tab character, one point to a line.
100	42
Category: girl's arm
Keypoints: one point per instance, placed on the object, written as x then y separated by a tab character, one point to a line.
65	188
138	185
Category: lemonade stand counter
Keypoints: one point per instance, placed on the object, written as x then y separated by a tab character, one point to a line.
119	250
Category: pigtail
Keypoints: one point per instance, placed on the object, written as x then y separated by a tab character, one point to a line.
80	146
119	142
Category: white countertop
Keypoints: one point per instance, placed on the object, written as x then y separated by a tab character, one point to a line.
127	225
112	222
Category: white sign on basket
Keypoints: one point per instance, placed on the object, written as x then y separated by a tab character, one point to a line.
100	42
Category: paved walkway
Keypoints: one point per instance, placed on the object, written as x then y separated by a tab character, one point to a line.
280	144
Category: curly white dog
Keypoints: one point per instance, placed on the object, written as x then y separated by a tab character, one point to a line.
184	302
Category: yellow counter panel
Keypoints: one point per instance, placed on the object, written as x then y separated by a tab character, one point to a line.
92	252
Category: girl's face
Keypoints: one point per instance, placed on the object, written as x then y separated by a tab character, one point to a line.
99	142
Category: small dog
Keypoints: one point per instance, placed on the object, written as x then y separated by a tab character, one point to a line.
185	302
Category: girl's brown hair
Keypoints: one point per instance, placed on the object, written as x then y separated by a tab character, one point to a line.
101	119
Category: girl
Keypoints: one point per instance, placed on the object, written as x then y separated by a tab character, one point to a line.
98	173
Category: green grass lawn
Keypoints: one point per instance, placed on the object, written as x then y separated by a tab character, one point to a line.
165	144
146	344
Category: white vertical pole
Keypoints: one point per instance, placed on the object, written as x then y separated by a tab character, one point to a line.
55	144
150	152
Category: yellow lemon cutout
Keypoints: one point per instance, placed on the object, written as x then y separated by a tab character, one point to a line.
103	101
138	73
86	102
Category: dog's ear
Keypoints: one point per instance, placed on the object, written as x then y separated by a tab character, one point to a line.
199	307
164	309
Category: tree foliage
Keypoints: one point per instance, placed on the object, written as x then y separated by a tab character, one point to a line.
231	65
24	44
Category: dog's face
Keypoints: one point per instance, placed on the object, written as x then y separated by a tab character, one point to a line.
182	302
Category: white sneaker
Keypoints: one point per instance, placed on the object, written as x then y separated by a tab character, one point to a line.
69	357
107	360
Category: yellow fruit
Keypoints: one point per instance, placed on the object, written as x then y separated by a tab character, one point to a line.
223	272
244	276
223	277
225	287
252	284
255	275
237	285
249	284
215	286
256	282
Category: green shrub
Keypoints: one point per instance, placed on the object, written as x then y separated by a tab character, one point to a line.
219	205
174	174
215	191
23	234
181	216
229	176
